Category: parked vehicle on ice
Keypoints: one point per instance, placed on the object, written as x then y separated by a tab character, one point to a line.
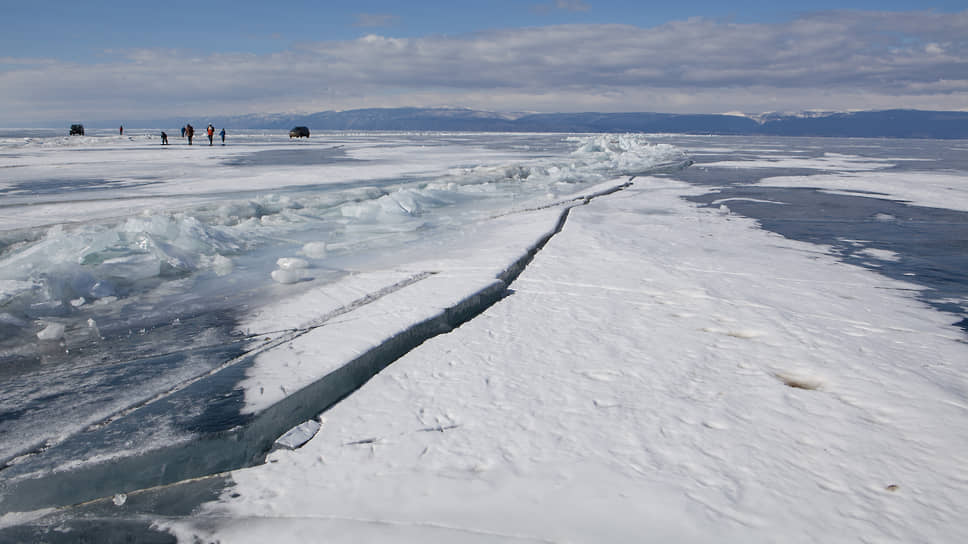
299	132
77	130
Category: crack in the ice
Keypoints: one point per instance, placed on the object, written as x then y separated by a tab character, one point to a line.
582	200
285	336
512	272
248	444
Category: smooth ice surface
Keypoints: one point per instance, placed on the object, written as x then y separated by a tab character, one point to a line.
661	370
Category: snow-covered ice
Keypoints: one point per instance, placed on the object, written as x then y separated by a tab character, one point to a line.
665	369
660	373
935	189
828	161
165	247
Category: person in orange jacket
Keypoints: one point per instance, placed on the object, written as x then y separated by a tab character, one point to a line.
211	133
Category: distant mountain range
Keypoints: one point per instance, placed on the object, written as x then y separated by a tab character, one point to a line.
872	124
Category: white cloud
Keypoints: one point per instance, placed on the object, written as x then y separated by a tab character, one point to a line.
831	60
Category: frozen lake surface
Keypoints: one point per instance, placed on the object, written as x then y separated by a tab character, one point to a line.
129	269
164	299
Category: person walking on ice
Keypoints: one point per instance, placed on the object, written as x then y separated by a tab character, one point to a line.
164	138
190	132
211	133
222	135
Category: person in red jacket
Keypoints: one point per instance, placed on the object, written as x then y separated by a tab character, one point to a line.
211	133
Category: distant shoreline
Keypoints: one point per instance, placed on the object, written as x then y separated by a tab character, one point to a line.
920	124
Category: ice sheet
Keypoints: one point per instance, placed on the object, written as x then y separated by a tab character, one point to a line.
659	370
114	302
934	189
828	161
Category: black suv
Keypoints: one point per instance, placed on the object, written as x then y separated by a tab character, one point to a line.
299	132
77	130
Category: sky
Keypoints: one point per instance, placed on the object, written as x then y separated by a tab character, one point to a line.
68	60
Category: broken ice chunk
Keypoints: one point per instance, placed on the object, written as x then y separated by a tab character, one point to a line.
291	263
287	276
53	331
315	250
291	270
298	435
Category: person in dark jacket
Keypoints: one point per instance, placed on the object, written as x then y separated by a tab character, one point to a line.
222	134
164	138
190	132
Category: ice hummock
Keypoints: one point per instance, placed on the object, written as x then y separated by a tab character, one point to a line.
44	268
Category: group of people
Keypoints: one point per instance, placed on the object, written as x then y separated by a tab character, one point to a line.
189	131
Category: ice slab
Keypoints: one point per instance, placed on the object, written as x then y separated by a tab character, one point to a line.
298	435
